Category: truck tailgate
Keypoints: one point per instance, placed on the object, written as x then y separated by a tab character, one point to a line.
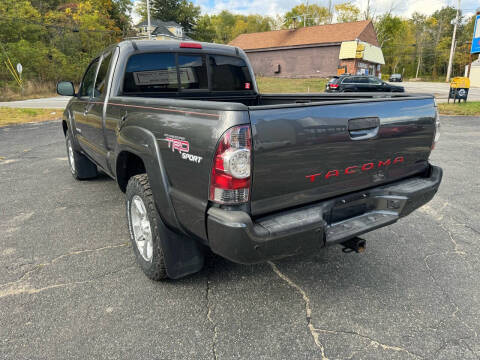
307	153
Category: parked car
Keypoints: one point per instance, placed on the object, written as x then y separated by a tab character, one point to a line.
396	78
360	83
205	160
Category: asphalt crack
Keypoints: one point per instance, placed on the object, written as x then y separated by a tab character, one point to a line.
16	287
316	331
210	318
308	309
29	290
438	217
373	343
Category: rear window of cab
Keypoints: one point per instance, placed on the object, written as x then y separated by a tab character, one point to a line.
172	72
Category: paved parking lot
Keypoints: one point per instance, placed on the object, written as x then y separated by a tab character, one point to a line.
70	289
438	89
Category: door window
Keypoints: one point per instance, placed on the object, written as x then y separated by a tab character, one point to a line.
101	82
88	81
374	81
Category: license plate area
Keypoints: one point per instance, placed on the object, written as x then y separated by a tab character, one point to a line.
350	207
349	228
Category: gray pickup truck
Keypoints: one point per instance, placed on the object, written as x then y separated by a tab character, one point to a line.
206	161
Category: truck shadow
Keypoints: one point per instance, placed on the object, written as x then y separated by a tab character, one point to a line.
329	267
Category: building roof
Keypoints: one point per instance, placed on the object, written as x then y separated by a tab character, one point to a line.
157	22
162	30
307	36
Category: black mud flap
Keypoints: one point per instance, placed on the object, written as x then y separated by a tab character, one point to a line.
183	255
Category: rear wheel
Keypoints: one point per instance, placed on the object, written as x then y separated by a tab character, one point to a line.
145	227
80	166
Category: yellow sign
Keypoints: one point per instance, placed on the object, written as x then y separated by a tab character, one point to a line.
360	50
460	82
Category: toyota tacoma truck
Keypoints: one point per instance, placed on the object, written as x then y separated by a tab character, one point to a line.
208	162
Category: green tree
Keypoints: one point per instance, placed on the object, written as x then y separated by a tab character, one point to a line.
313	15
204	29
394	39
183	12
347	12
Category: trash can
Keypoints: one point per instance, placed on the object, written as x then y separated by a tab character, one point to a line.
459	87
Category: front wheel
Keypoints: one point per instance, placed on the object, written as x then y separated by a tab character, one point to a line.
145	227
80	166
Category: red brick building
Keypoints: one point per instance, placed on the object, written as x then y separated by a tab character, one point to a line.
313	51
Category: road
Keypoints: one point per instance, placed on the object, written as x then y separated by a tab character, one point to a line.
57	102
70	288
440	90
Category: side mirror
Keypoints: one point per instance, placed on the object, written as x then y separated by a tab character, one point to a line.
65	88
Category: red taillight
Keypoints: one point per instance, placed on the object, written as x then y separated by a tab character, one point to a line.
188	45
333	86
231	171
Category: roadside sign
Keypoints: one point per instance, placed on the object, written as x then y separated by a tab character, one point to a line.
459	89
476	36
19	68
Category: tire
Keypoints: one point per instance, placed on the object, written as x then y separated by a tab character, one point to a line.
147	226
80	166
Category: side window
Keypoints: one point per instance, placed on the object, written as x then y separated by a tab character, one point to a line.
193	72
229	74
151	72
88	81
347	80
374	81
101	82
362	80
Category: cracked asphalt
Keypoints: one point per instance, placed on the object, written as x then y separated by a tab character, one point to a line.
70	288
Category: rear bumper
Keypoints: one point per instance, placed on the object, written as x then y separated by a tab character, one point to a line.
235	236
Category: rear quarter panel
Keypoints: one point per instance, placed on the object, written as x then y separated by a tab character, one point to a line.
186	136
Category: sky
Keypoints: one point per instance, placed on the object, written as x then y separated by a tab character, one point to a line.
279	7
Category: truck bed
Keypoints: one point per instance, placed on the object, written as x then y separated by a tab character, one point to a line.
311	147
215	101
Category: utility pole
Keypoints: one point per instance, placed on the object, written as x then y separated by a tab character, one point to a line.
367	15
148	20
330	11
305	16
452	48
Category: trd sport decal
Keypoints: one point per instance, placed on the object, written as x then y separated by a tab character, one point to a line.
183	147
356	169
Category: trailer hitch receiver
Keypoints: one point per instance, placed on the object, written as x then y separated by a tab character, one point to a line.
354	245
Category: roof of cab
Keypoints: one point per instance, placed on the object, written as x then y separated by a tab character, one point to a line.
173	45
